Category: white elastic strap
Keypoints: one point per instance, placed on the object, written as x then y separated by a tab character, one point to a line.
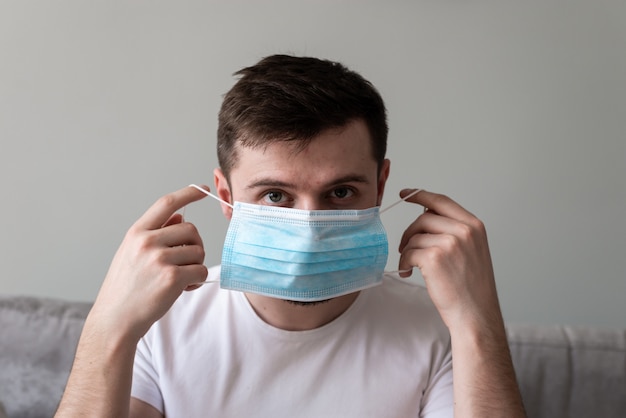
210	194
206	281
195	186
413	193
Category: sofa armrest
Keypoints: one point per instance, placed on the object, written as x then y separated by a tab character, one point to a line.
570	372
38	339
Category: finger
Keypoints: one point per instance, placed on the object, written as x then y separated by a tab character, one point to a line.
431	223
425	250
161	211
408	260
438	203
184	233
184	255
408	255
192	287
191	275
173	220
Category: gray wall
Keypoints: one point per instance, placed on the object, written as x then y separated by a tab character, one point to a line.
515	109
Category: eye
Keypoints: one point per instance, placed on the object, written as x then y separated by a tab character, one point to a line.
273	197
342	192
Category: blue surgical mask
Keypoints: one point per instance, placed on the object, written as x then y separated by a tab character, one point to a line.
302	255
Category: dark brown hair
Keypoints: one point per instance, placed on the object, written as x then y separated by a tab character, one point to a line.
287	98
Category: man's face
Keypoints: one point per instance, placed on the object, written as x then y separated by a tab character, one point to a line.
335	171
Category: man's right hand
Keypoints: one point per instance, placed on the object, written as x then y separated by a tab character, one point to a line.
160	257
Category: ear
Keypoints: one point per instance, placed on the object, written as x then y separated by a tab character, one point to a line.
382	180
222	189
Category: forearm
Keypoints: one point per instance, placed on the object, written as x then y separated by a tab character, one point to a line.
160	257
484	377
101	377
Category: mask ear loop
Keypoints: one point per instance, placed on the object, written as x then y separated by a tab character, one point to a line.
195	186
413	193
206	192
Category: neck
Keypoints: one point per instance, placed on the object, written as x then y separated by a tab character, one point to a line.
291	316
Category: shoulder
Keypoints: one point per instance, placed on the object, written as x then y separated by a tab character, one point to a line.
405	288
406	305
405	294
193	309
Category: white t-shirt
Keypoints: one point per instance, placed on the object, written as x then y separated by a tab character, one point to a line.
387	356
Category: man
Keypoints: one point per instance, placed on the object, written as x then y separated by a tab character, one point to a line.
300	137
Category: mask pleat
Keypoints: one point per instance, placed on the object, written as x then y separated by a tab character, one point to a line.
303	255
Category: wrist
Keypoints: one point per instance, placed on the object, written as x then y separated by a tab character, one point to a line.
109	337
478	329
483	370
100	381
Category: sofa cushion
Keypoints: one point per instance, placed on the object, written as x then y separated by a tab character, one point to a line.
38	340
570	372
562	371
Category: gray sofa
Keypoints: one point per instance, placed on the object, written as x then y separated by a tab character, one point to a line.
562	371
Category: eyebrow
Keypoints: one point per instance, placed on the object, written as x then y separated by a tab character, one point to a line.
270	182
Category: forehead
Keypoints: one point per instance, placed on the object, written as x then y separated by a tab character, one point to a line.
333	153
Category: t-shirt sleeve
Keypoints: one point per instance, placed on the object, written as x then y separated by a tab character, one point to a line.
438	399
145	377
